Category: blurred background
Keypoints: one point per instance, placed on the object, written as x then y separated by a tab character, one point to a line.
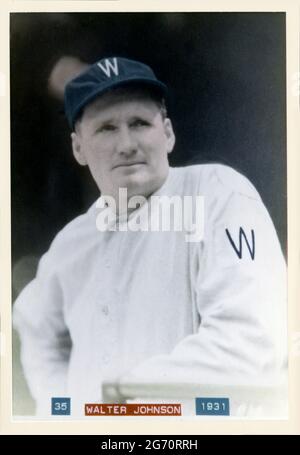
226	73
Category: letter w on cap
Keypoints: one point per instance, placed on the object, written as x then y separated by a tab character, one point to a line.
109	66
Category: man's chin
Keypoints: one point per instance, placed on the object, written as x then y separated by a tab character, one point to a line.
133	180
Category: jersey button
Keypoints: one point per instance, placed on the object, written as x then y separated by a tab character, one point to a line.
105	359
105	310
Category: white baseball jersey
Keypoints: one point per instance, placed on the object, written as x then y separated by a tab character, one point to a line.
153	307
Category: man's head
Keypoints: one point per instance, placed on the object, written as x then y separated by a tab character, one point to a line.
120	126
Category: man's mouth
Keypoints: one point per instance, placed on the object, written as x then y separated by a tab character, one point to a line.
129	164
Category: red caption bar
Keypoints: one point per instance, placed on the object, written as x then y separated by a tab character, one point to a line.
148	409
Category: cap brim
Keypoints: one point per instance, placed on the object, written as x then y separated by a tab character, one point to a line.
157	85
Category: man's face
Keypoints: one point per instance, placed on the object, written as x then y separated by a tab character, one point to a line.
125	142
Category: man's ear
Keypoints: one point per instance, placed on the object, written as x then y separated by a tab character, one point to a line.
77	149
169	134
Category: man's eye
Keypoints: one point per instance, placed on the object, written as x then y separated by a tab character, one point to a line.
139	123
106	128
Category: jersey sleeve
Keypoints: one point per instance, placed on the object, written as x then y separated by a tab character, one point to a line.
240	287
45	341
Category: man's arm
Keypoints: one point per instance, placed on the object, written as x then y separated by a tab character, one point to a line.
45	342
241	302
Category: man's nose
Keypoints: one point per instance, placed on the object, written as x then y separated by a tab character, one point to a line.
126	143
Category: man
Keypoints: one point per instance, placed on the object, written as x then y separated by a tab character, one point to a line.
118	296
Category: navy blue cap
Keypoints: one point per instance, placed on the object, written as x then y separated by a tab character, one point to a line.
105	75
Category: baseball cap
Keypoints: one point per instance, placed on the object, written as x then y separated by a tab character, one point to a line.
103	76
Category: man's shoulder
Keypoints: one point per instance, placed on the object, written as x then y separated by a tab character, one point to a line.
77	230
215	178
71	247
